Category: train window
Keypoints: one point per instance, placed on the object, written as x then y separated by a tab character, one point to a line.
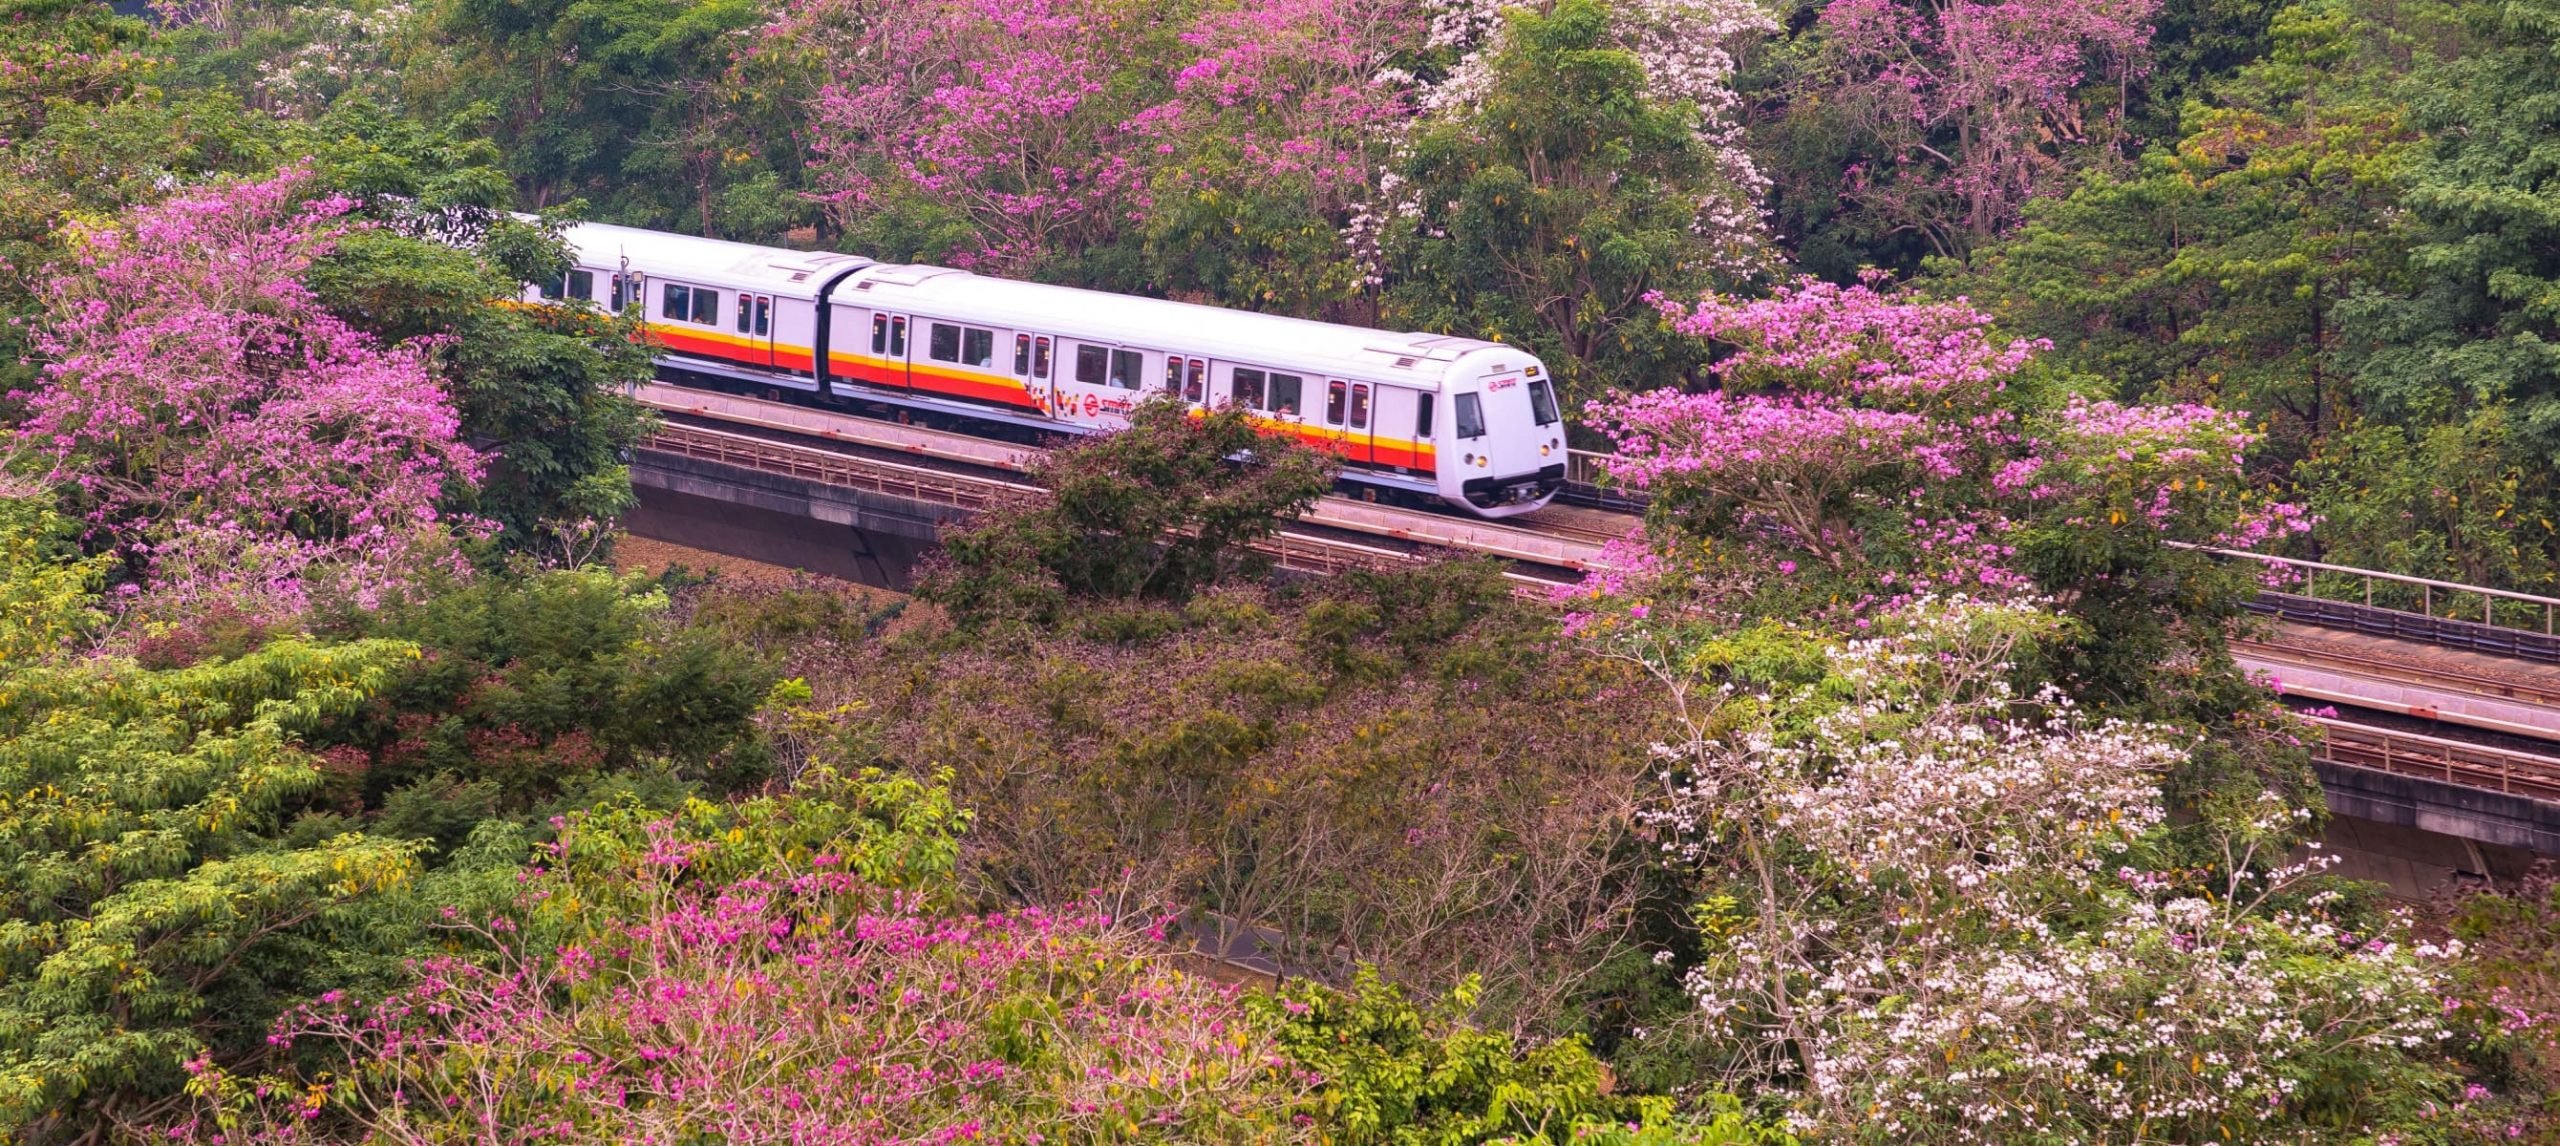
1360	406
1022	354
1093	363
617	294
550	290
1470	416
746	311
1172	373
1195	381
1248	388
764	316
706	306
1333	399
977	347
1127	367
676	302
1040	358
879	334
897	338
1542	403
1422	419
942	343
1285	390
582	285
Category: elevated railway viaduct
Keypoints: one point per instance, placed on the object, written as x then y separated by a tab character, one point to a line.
2441	759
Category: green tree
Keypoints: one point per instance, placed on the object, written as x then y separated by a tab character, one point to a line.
1549	210
532	690
542	388
148	913
648	108
2212	272
1157	511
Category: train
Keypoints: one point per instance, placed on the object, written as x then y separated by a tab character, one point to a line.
1464	421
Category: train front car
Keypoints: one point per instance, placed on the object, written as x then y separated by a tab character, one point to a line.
1502	447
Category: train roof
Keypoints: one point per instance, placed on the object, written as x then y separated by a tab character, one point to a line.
1159	324
713	262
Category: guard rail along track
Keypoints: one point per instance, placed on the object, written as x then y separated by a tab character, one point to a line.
1299	552
2451	761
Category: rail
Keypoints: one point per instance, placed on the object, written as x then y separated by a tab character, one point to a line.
2451	761
2428	588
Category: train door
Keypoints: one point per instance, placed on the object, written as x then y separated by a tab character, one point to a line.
754	322
1097	383
884	363
1392	416
1349	418
1034	361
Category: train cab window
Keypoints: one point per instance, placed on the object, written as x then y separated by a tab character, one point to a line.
1248	388
1022	354
1040	358
897	338
1285	392
879	334
764	316
942	342
1127	368
977	347
1359	405
1195	381
1470	416
1334	396
1542	403
1093	364
1422	420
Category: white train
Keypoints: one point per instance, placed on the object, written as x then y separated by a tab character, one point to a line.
1472	423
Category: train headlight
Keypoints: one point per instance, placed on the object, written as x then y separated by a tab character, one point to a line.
1545	450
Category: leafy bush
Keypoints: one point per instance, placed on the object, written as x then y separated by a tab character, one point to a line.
538	684
1160	511
147	912
1395	768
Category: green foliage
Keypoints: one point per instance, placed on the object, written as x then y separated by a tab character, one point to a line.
45	597
1551	210
1158	511
543	387
145	908
1403	762
1393	1072
531	687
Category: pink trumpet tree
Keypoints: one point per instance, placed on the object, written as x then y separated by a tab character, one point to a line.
222	429
1877	434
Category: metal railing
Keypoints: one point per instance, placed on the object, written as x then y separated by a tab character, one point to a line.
2429	589
2450	761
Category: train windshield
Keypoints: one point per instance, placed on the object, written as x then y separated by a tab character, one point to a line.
1542	402
1470	416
